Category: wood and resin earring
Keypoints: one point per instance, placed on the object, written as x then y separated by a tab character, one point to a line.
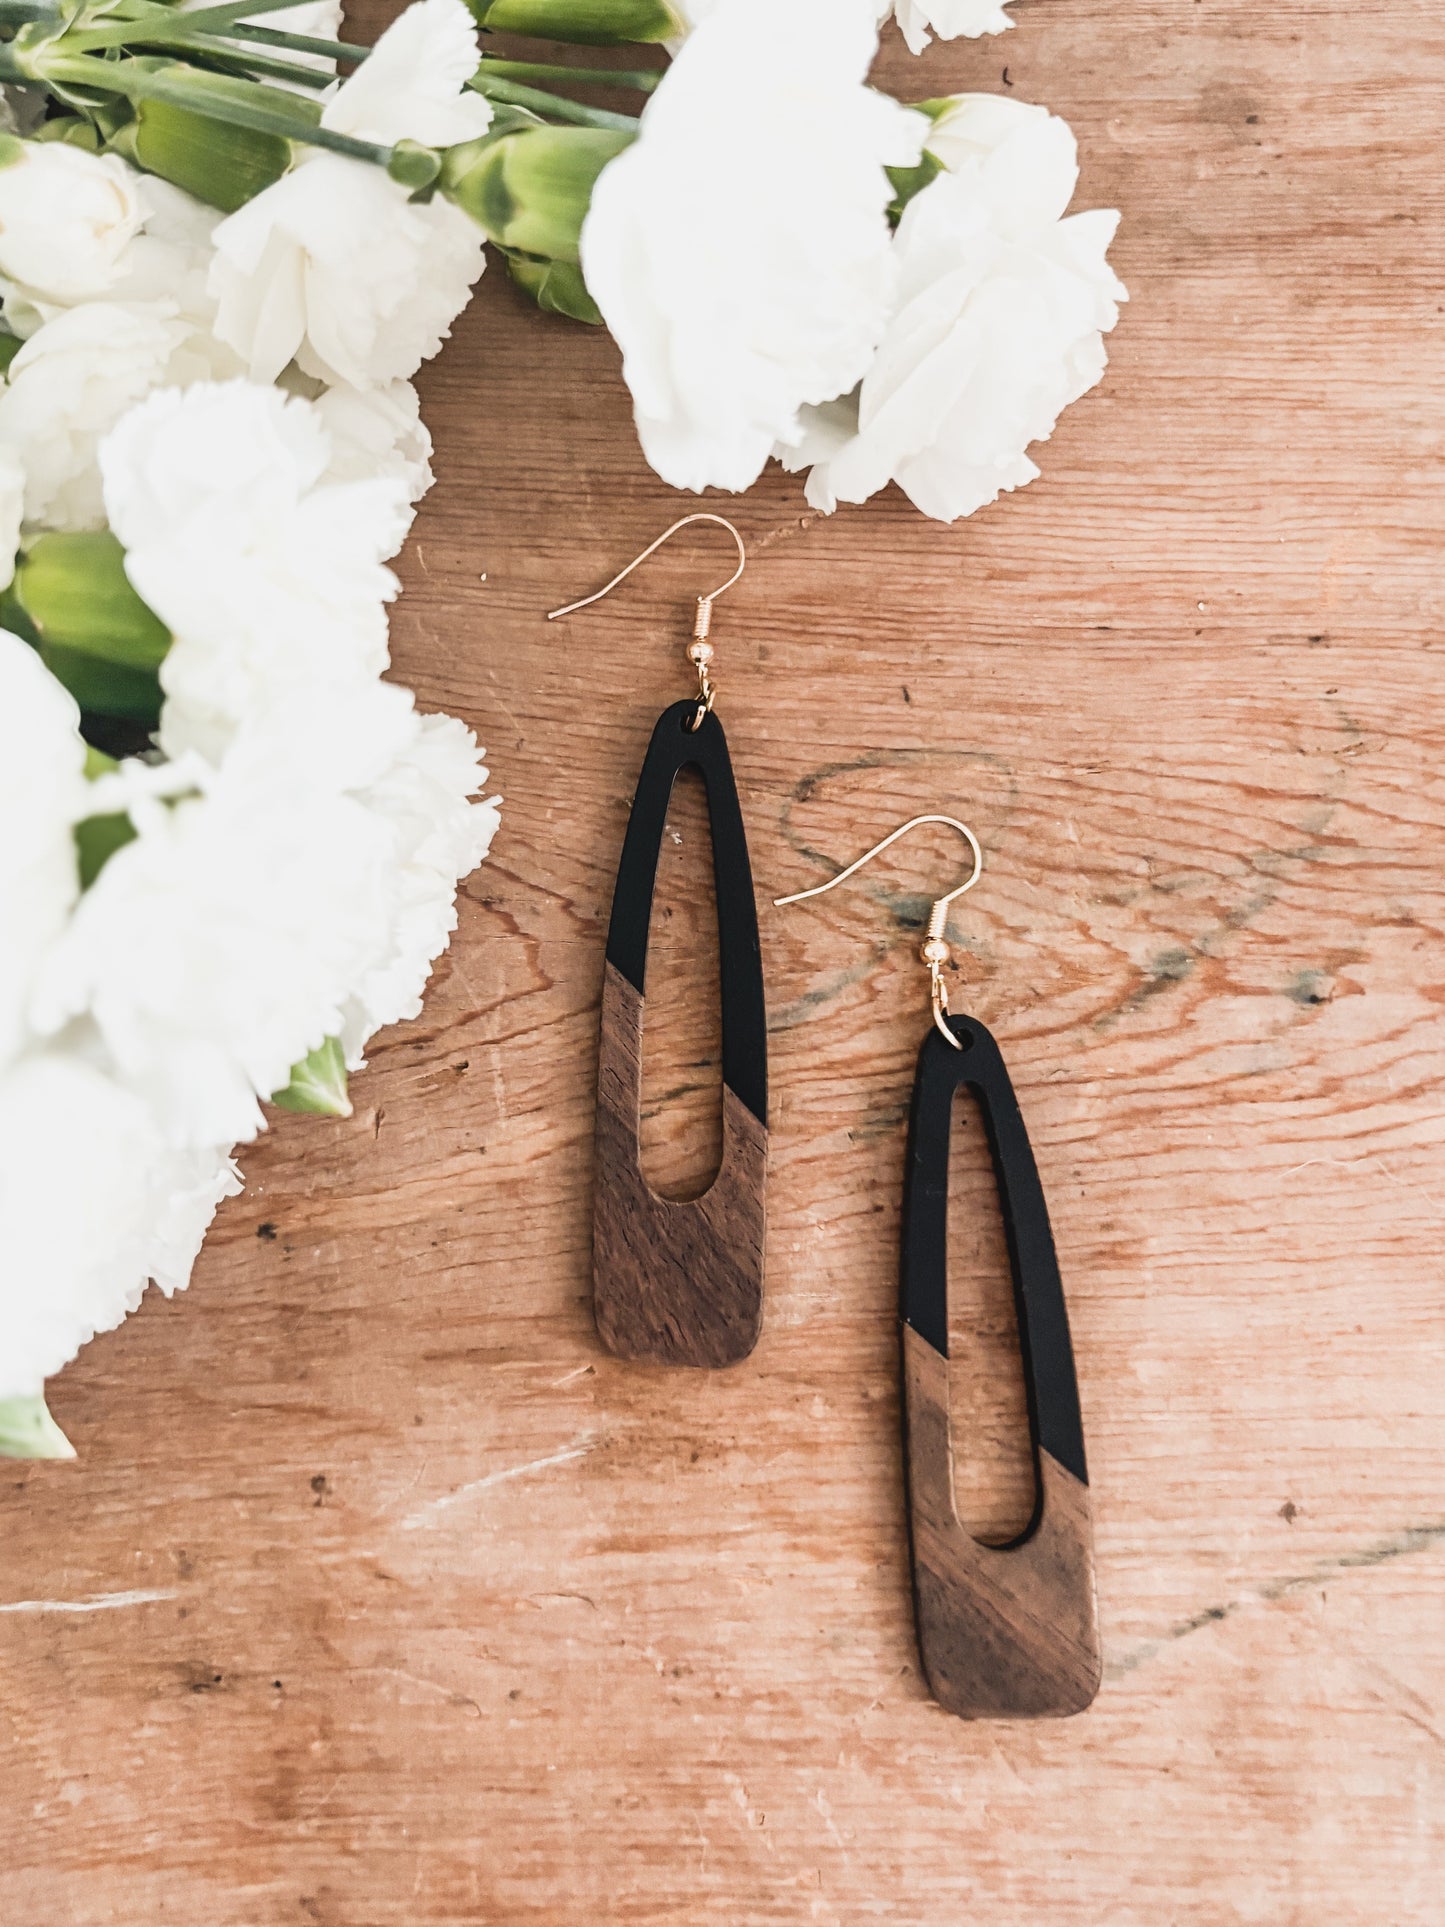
1004	1631
682	1281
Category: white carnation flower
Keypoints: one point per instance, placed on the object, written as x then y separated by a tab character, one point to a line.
249	921
77	1155
66	218
739	249
195	1182
72	382
167	260
270	576
440	836
12	511
413	84
378	431
334	265
42	792
92	1204
217	949
1002	307
170	259
948	19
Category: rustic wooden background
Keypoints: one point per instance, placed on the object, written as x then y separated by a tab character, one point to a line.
381	1597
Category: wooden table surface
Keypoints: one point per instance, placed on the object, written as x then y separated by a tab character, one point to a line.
381	1597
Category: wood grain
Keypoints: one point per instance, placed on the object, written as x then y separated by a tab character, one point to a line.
1005	1632
678	1281
381	1596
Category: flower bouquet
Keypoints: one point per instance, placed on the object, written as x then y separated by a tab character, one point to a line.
229	849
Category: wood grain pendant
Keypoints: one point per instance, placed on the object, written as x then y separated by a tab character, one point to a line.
682	1282
1005	1632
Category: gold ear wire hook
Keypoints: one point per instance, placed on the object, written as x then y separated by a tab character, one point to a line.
700	650
934	951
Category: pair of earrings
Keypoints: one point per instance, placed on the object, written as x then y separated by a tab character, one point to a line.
1004	1631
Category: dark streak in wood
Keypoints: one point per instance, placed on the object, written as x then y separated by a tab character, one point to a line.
1005	1632
680	1281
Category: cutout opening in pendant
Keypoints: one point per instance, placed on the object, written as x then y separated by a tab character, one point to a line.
680	1144
994	1474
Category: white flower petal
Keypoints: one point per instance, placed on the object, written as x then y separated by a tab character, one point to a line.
1001	311
739	250
12	510
72	381
92	1204
413	85
378	432
440	835
335	266
300	894
42	791
270	575
948	19
66	218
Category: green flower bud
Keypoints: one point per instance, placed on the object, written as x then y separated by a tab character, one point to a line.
74	132
594	23
27	1431
71	598
222	165
318	1083
530	190
556	286
414	166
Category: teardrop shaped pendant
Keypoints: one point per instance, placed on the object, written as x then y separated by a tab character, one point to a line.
681	1281
1005	1632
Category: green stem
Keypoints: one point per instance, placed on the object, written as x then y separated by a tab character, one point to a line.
139	83
219	56
347	52
299	43
642	80
159	22
551	106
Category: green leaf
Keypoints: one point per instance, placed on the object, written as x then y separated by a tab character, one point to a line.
96	841
908	181
222	165
105	688
557	287
936	108
318	1083
75	592
27	1431
595	23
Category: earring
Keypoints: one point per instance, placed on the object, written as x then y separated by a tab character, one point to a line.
682	1282
1005	1632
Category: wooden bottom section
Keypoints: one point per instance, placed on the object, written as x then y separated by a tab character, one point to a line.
681	1282
1005	1632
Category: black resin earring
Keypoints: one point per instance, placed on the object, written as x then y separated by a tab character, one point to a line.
1005	1632
682	1281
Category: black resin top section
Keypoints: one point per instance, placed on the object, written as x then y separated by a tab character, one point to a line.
1043	1321
676	746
